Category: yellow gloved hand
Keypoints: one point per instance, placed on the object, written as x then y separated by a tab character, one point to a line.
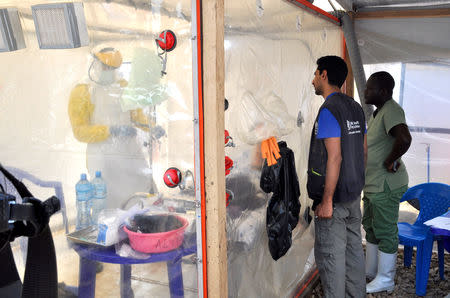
140	120
123	83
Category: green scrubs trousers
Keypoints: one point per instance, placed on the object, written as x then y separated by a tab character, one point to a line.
380	217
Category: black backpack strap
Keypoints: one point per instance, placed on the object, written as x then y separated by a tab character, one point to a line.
10	284
41	278
21	188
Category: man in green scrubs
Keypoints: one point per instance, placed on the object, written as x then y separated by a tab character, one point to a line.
388	138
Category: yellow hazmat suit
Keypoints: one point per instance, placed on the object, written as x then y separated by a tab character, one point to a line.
114	147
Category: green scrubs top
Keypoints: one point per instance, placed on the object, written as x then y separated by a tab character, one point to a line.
379	143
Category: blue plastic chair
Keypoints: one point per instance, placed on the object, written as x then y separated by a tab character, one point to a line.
434	200
56	185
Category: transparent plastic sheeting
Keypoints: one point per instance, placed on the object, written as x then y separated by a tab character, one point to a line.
392	40
420	89
271	48
66	113
419	61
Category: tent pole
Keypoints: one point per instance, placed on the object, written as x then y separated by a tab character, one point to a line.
355	59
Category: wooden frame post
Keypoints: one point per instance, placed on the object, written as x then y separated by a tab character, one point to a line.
214	125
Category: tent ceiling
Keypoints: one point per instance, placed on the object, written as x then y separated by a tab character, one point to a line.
403	40
108	17
358	5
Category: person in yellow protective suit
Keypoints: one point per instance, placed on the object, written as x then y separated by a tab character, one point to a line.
114	145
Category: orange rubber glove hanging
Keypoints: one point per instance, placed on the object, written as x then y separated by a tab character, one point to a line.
273	144
270	150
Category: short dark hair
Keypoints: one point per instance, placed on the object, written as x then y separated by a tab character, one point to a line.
336	69
384	80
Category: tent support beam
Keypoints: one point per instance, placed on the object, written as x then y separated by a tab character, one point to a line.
214	126
407	13
306	5
346	4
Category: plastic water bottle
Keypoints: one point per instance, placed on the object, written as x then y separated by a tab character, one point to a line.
99	196
83	190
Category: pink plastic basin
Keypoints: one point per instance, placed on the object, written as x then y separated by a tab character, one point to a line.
157	242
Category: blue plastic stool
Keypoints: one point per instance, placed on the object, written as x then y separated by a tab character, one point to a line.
434	200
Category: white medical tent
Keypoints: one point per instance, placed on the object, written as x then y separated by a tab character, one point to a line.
260	55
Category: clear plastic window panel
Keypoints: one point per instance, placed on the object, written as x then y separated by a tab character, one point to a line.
122	106
418	60
271	48
419	89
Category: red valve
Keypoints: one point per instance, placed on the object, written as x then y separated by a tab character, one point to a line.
228	165
228	139
227	136
172	177
167	40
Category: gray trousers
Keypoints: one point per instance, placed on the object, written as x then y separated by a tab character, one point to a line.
339	253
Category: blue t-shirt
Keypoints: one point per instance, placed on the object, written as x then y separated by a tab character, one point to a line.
328	126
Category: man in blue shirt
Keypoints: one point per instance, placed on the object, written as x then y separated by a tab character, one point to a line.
335	181
328	127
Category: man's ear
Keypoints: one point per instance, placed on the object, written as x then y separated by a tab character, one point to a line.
324	75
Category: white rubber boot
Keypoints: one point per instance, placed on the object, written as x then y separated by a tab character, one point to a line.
384	281
371	260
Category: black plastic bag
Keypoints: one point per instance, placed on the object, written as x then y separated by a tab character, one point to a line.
284	206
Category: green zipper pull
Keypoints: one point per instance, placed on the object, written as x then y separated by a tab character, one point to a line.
315	173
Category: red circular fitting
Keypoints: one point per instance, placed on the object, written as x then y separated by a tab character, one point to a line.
228	165
227	136
172	177
169	43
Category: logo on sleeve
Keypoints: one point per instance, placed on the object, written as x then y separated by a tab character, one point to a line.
353	127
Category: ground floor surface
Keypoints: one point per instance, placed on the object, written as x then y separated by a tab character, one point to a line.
405	280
